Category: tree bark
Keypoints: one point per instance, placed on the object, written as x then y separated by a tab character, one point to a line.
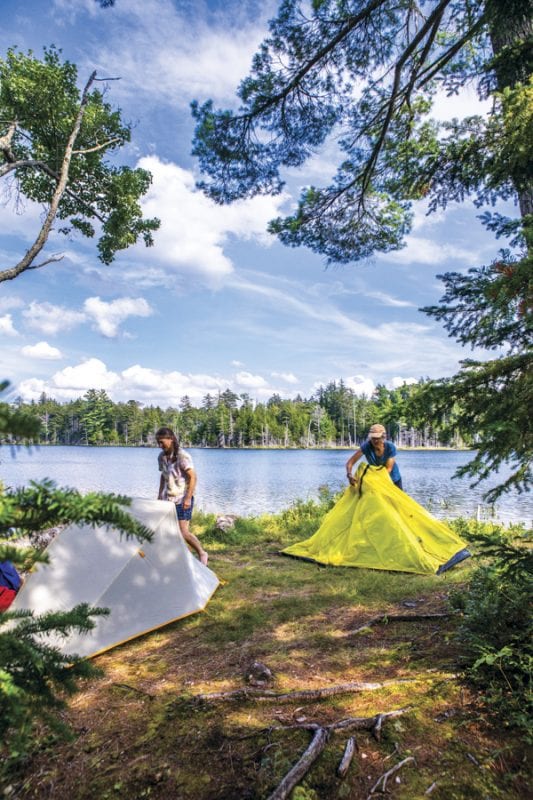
508	30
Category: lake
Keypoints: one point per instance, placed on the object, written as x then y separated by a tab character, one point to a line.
252	482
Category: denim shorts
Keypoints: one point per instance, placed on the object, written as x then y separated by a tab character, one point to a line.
184	513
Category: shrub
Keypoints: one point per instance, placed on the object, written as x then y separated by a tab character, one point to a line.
496	632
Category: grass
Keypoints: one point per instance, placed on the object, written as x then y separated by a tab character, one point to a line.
139	733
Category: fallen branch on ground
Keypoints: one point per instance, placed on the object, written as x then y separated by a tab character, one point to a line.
302	766
386	775
321	734
307	695
346	760
398	618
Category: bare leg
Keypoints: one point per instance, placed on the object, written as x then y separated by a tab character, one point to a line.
192	540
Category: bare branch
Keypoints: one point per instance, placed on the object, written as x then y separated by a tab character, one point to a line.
384	778
346	760
5	169
306	695
302	766
50	260
96	147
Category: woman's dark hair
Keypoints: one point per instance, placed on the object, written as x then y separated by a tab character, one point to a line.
168	432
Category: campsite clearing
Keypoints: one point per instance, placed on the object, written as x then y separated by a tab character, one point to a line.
143	731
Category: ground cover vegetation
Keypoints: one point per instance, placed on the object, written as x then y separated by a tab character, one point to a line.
363	73
222	705
333	416
34	676
56	149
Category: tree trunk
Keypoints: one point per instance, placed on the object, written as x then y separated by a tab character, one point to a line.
510	27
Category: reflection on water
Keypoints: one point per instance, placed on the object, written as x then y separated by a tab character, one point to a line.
252	482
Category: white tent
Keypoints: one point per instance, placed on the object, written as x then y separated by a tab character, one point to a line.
144	584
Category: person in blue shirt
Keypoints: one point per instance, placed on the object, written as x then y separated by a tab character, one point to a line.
379	453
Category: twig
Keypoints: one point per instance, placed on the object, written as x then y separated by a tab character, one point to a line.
396	618
133	689
346	760
321	735
386	775
367	723
376	730
431	788
302	766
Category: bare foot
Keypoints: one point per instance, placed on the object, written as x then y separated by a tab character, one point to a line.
204	558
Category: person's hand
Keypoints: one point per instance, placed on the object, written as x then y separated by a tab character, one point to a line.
204	558
186	502
351	480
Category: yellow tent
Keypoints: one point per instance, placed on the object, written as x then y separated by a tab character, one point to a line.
377	526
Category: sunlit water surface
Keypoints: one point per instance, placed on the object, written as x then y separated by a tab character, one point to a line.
253	482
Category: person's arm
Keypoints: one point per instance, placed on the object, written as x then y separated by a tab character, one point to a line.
191	485
391	460
161	487
389	464
350	464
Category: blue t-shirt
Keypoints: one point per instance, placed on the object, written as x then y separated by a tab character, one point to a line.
380	461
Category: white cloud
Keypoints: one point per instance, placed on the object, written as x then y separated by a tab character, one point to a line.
149	386
325	314
288	377
108	316
194	230
419	250
360	385
249	381
387	300
41	350
397	382
189	55
90	374
237	364
19	217
51	319
7	303
464	104
6	326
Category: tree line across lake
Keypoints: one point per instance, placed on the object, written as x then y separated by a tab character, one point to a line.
333	416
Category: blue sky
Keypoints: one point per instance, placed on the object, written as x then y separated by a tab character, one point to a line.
217	302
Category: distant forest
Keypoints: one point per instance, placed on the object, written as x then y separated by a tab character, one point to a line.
333	417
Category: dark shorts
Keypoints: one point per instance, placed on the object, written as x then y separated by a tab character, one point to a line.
184	513
398	483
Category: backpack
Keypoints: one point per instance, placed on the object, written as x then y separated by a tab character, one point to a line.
9	576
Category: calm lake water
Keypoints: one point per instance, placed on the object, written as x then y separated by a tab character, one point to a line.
252	482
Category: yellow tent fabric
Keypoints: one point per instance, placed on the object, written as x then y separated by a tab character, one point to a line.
378	526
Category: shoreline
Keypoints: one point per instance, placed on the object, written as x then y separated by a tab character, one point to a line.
186	446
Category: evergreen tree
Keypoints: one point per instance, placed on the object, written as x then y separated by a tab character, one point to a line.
34	676
397	53
494	398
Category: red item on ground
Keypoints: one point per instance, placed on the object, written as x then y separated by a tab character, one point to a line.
6	597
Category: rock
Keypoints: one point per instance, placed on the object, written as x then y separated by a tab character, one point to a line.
258	674
225	522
